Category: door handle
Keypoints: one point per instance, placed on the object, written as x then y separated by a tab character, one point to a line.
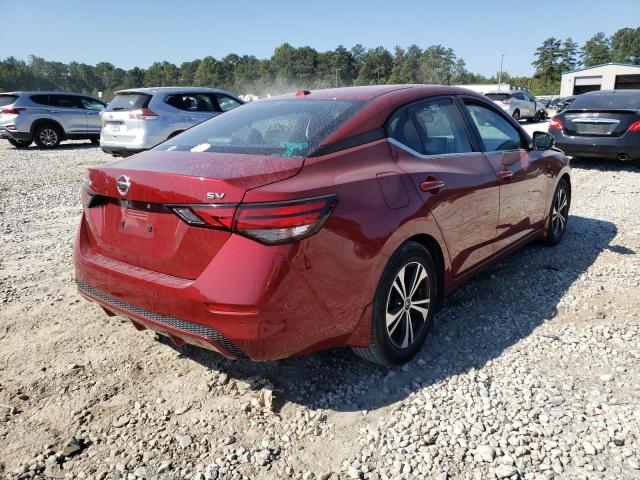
504	174
54	111
431	186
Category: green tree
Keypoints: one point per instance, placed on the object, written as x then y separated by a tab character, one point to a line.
568	58
547	61
596	50
625	46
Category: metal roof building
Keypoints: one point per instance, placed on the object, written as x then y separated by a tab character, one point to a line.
600	77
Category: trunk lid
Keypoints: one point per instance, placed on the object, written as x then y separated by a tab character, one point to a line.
139	229
598	123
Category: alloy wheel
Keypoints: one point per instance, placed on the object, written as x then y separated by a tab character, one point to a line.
408	305
48	137
559	212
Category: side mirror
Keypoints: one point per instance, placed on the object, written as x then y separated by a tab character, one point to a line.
543	141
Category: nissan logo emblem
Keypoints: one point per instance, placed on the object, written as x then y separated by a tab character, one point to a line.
123	184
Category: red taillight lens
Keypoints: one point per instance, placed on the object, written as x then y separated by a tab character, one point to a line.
276	223
209	216
12	111
634	127
143	114
506	101
270	223
556	124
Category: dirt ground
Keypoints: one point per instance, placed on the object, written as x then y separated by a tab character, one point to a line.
83	395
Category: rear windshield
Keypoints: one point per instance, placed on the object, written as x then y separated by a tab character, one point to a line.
128	101
498	97
7	99
281	128
605	101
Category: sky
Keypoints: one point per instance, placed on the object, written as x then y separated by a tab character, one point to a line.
138	32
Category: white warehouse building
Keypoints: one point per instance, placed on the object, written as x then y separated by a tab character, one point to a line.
601	77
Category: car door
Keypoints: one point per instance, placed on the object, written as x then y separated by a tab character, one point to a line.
520	172
92	110
68	111
197	107
455	181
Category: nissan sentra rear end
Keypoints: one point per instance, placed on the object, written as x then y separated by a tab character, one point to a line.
169	240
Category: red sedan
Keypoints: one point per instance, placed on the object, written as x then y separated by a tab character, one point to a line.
317	219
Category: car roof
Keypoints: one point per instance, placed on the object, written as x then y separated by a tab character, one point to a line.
39	92
154	90
380	102
614	92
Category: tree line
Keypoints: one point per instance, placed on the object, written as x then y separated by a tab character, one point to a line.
291	68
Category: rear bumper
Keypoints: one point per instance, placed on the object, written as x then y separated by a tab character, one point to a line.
251	301
7	134
599	147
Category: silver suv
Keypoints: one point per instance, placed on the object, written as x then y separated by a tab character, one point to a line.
48	118
518	103
140	118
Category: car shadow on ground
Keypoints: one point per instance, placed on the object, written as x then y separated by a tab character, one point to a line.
62	146
475	325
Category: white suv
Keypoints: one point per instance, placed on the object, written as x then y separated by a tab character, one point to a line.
518	103
140	118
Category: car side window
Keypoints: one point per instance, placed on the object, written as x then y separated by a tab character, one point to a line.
495	131
65	101
440	127
91	104
401	128
40	99
191	102
227	103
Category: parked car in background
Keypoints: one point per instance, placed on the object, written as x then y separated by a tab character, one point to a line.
48	118
602	124
140	118
319	219
518	103
564	103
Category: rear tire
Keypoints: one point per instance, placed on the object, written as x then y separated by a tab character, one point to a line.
516	115
403	307
47	135
20	143
558	214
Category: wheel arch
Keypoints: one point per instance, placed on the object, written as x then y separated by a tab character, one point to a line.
433	247
44	121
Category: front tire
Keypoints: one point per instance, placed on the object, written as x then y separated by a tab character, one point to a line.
95	141
403	307
20	143
47	136
516	115
558	214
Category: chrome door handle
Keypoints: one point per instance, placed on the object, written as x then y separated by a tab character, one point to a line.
431	186
504	174
54	111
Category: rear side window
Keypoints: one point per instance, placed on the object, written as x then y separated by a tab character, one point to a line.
440	127
495	131
64	101
606	101
128	101
7	100
401	128
498	97
192	102
40	99
227	103
280	128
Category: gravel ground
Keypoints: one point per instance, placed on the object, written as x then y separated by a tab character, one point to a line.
532	371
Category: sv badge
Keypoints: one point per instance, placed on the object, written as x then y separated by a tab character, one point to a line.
215	195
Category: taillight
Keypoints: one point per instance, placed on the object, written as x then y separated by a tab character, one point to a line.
271	223
143	114
12	111
555	124
208	216
634	127
506	101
